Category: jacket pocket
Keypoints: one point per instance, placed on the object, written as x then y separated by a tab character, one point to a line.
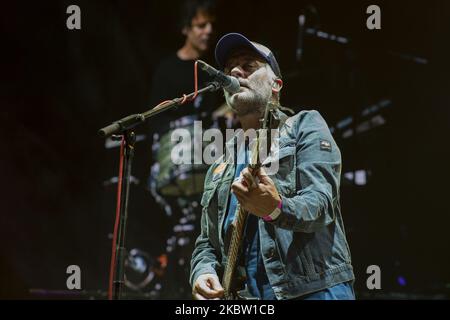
207	196
209	209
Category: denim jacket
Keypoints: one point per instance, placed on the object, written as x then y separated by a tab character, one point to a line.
305	249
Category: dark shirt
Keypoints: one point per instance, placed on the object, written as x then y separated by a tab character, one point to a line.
172	78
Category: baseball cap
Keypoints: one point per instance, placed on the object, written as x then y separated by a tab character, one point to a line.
232	41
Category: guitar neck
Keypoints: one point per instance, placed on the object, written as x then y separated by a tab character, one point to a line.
241	215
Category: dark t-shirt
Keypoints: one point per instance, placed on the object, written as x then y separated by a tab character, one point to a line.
174	77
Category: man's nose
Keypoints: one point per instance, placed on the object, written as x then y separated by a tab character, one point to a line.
209	28
237	72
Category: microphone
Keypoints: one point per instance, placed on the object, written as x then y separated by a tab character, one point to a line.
228	83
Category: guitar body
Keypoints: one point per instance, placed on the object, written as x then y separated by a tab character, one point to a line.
238	289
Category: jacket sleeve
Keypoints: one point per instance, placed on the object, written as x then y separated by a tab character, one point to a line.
204	257
318	170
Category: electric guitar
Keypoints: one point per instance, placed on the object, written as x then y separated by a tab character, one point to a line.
231	281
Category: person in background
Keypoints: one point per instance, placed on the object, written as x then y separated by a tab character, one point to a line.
177	188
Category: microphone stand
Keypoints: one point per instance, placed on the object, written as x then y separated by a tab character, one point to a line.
123	128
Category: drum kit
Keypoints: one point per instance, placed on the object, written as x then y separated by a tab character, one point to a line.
178	189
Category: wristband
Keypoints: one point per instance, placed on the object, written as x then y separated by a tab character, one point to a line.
274	214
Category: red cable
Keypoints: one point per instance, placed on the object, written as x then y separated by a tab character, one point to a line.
195	81
166	101
185	99
116	224
119	188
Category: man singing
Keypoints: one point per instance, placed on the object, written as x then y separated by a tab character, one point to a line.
294	240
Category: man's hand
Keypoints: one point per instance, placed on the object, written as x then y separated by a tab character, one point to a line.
207	286
259	198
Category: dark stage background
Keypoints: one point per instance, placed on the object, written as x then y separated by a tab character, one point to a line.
60	86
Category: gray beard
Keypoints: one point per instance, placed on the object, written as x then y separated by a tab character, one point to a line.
246	111
244	107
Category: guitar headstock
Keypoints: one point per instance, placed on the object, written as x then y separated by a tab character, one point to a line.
267	122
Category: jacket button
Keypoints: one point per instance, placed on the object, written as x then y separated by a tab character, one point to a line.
271	252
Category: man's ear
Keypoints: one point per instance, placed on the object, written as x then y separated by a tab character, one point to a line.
277	85
184	31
